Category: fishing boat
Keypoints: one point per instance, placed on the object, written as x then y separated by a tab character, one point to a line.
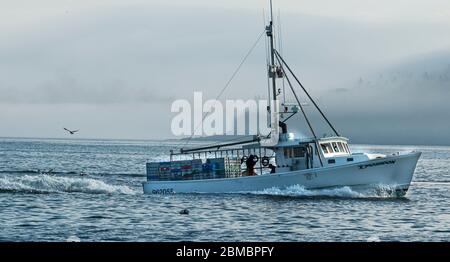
280	159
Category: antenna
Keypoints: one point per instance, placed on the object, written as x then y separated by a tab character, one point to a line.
271	13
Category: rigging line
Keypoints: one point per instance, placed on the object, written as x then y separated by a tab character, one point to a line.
301	107
298	101
306	92
287	118
284	121
228	83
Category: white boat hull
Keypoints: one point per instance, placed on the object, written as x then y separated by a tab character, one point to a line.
395	171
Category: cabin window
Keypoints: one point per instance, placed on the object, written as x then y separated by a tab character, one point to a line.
346	147
335	147
329	148
324	148
299	152
341	147
331	161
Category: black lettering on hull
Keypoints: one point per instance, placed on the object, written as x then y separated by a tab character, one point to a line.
163	191
390	162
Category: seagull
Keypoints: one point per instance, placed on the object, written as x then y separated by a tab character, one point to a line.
70	131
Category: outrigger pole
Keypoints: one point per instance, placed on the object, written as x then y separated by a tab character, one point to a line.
218	146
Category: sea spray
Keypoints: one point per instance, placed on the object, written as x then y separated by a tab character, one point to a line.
378	191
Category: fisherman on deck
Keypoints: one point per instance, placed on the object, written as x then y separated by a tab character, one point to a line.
250	163
272	169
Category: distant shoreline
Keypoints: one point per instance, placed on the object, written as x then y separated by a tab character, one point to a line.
195	139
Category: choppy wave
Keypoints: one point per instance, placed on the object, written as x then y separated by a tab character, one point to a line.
432	182
19	172
58	184
379	191
46	172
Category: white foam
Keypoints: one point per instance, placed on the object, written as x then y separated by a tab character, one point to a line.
51	184
374	238
344	192
73	239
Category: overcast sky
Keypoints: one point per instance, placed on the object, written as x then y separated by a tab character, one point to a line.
379	69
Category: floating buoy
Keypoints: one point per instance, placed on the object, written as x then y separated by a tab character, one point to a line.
184	212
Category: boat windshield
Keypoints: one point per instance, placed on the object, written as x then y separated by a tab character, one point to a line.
324	148
327	148
341	147
334	147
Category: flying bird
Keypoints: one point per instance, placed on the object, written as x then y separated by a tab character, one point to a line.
70	131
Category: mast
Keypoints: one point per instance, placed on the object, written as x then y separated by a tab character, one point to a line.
272	68
278	71
272	73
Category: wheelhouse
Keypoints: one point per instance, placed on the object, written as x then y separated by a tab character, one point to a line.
334	146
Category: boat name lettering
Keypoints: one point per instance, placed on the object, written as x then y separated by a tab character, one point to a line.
390	162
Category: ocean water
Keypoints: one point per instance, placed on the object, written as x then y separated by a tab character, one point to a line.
107	203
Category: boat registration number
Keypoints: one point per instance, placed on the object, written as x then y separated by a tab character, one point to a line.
163	191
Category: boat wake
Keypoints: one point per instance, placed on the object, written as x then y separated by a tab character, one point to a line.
380	191
57	184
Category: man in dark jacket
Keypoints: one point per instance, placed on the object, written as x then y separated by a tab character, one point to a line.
250	163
